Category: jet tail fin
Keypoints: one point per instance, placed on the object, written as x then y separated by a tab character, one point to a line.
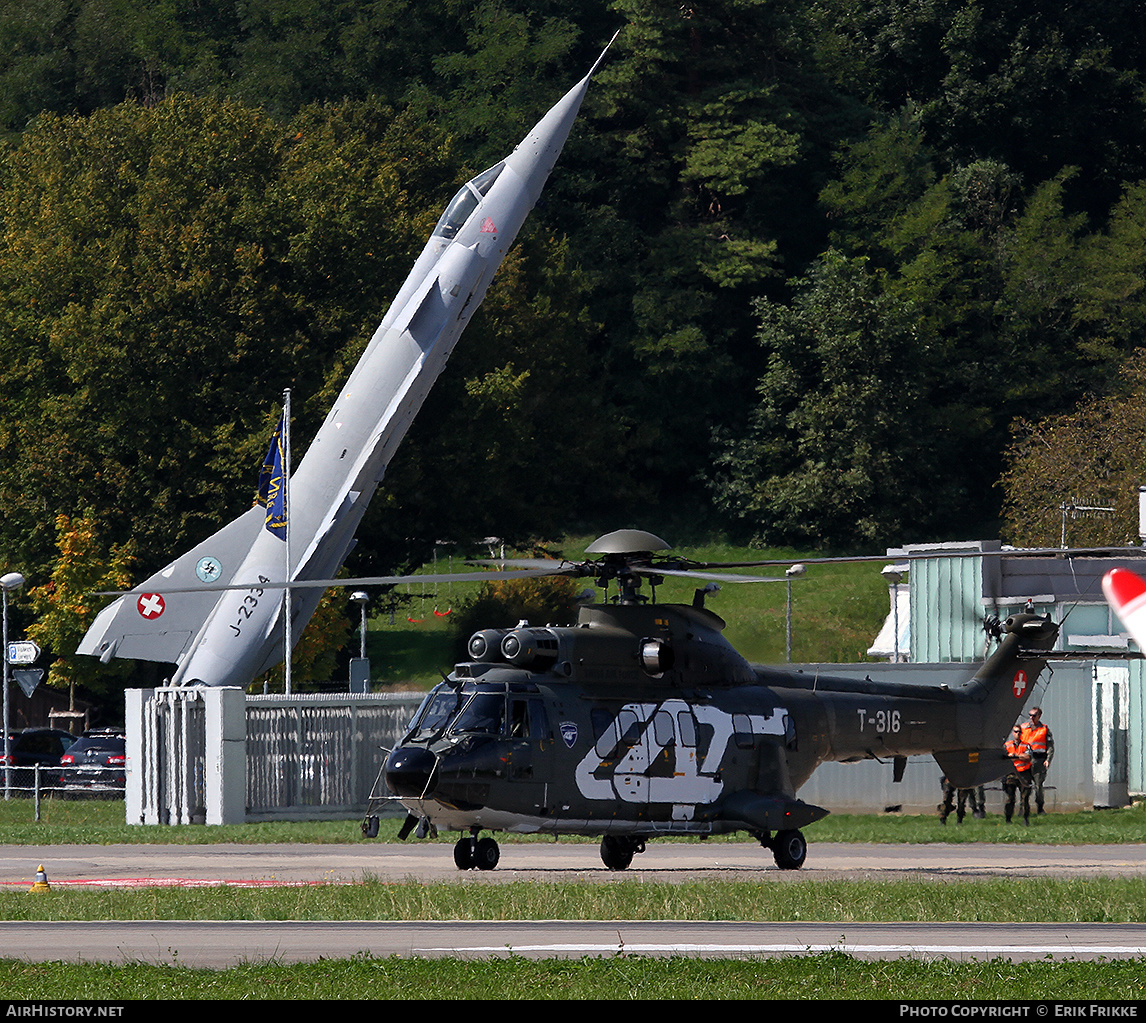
149	624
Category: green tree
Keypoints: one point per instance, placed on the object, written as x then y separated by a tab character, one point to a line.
68	603
1094	455
1035	87
546	600
712	130
167	271
845	446
315	655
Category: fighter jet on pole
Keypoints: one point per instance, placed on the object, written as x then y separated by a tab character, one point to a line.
228	637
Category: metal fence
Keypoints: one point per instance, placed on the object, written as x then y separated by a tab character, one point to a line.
318	756
216	756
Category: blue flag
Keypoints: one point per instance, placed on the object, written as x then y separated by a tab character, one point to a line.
272	488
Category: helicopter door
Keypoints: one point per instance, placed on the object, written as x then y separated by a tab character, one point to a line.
636	753
530	736
673	771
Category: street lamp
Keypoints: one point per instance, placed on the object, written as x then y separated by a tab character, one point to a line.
361	598
11	581
894	576
360	666
790	572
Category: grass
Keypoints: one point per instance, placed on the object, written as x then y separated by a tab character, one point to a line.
101	822
830	975
837	610
772	898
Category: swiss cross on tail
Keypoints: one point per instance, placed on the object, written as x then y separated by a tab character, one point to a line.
1020	683
150	605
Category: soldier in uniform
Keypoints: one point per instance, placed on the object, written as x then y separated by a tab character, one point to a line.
1038	736
1019	780
963	796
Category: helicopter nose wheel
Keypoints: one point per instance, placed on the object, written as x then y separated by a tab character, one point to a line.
471	852
617	851
789	848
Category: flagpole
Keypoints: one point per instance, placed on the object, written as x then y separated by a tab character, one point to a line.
287	514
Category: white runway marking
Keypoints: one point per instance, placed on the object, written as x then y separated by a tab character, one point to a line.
859	950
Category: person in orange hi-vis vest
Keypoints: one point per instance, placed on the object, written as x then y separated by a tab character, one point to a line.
1019	780
1039	738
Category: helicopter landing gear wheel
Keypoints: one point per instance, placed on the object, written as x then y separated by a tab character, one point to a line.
471	852
486	854
617	851
789	849
464	854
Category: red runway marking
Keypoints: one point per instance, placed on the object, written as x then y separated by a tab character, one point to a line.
165	882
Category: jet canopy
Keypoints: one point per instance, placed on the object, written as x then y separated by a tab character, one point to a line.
465	202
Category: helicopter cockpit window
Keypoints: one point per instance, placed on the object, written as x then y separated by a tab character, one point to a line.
539	720
662	728
519	719
436	711
485	713
527	719
464	203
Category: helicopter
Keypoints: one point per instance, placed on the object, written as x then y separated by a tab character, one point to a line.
642	721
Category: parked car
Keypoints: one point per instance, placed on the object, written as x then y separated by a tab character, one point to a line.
96	762
32	746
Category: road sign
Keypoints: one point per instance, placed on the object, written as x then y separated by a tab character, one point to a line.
28	678
23	652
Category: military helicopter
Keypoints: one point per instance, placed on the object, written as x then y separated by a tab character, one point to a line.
642	721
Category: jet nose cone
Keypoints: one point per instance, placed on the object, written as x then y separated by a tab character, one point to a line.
408	770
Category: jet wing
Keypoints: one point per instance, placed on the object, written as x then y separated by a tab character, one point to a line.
149	625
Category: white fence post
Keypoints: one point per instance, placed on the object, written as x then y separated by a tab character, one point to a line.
226	755
134	700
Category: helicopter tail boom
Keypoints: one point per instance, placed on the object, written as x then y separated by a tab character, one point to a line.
994	698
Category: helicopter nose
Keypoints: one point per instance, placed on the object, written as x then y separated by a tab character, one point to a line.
408	770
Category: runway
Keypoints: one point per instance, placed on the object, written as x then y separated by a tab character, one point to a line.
217	944
555	861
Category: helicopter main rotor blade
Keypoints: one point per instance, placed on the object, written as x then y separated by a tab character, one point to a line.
719	577
1024	552
375	580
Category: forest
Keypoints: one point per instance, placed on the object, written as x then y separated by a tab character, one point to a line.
839	274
